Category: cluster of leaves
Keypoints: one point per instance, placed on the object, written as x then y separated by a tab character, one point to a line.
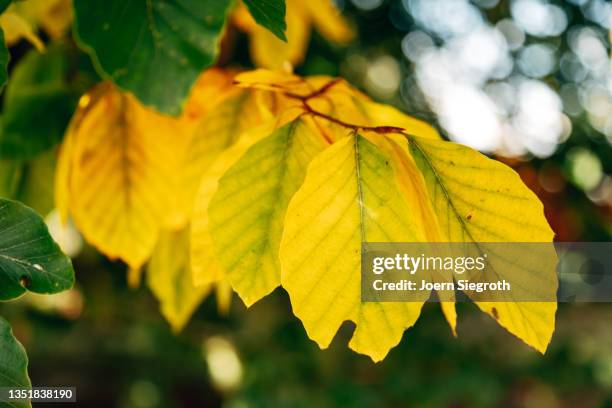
264	178
280	179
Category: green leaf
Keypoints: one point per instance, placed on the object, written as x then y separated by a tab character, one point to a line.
4	60
269	14
38	104
10	176
248	210
13	363
30	182
155	48
4	5
4	54
29	258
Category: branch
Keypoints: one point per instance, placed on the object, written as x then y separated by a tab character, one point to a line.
321	91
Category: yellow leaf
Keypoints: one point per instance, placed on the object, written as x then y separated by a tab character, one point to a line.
111	173
204	264
16	27
430	184
246	214
214	132
242	19
22	20
349	196
55	16
328	21
212	86
413	186
223	292
481	200
169	277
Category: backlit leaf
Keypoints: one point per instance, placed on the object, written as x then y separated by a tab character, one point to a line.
248	209
218	129
205	266
481	200
349	196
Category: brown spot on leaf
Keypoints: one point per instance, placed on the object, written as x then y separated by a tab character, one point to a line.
469	216
24	281
495	314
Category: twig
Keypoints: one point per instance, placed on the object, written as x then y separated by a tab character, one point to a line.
321	91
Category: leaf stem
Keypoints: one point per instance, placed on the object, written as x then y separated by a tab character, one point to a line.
321	91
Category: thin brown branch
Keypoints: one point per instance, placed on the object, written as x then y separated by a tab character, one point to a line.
376	129
321	91
318	92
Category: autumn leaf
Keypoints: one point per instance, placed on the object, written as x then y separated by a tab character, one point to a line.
214	180
247	211
281	179
412	185
193	148
349	196
111	176
126	171
24	18
378	181
482	200
170	280
268	51
205	265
